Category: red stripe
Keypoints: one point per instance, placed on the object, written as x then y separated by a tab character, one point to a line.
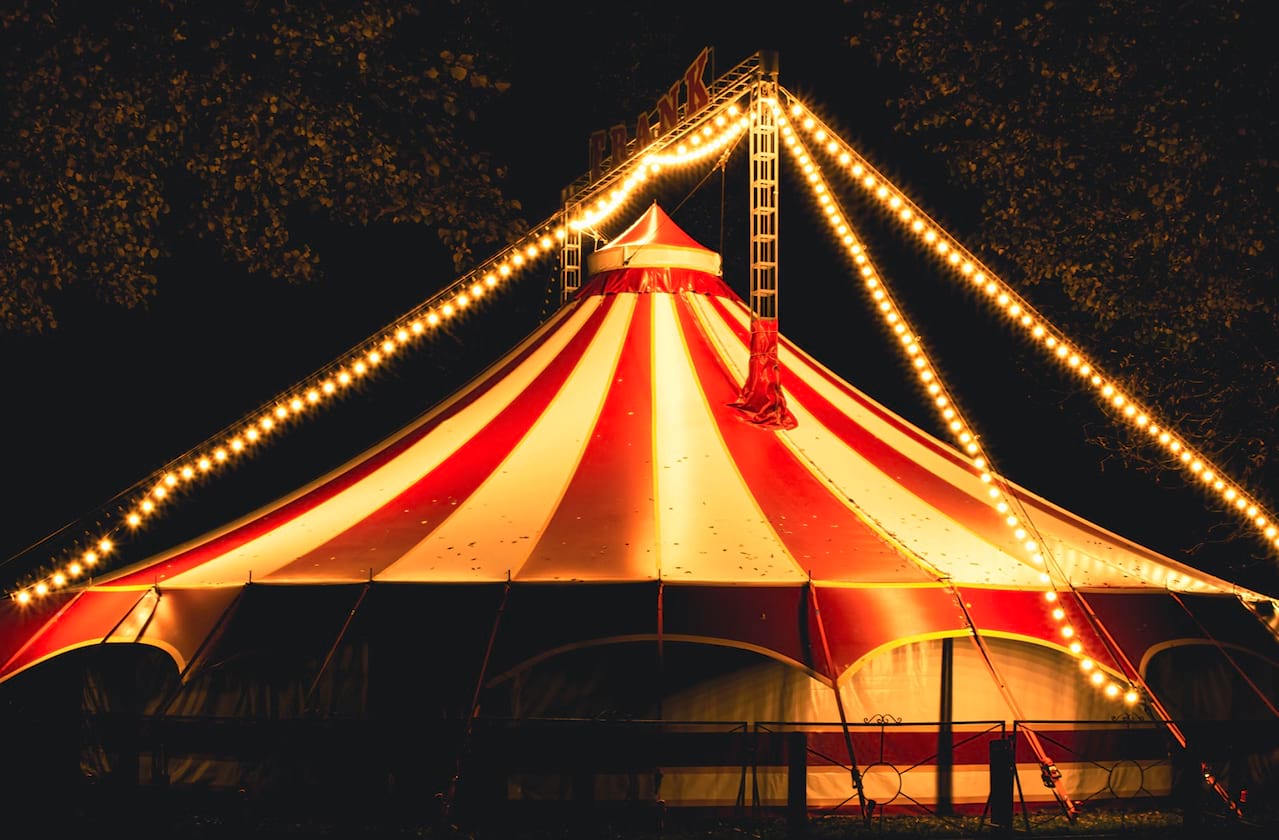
405	520
604	526
19	623
206	551
861	620
975	514
1139	621
1026	613
88	619
950	455
762	617
823	535
652	279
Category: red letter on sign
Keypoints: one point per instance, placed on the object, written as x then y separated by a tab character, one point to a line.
643	131
617	138
597	141
698	96
668	108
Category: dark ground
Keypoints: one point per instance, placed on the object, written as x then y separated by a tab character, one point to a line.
229	817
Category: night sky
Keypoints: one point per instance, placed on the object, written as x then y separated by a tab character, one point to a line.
114	395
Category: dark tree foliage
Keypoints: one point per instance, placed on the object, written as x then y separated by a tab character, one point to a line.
1126	158
130	125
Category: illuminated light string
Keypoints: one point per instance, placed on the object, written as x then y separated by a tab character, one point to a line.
703	141
1004	502
253	431
1122	406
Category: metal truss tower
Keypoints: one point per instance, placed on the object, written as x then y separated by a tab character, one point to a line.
763	190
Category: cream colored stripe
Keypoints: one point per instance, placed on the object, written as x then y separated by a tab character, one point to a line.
734	353
710	527
900	514
943	467
1087	557
936	538
652	256
303	534
493	531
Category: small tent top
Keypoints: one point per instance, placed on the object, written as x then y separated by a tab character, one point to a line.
659	256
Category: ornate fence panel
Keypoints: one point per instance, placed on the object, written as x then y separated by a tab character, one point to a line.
1122	761
904	767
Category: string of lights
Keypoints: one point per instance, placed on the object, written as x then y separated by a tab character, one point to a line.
152	496
1121	406
1000	496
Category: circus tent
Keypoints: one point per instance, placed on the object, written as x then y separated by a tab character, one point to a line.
603	485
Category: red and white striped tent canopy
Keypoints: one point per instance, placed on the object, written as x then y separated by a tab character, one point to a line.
600	475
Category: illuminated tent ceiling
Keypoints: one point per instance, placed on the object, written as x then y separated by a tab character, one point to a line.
600	468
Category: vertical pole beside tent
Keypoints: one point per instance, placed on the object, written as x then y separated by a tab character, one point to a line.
945	729
796	785
661	649
661	686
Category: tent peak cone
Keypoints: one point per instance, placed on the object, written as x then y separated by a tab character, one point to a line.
655	255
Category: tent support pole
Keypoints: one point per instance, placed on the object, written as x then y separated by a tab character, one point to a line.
866	806
661	646
1158	708
333	648
1048	769
473	711
1234	663
201	652
50	621
946	731
160	753
661	687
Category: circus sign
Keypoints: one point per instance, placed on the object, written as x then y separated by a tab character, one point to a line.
616	140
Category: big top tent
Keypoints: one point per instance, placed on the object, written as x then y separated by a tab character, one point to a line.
656	468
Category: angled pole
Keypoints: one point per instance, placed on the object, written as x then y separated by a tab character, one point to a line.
333	648
1047	767
1161	712
866	806
473	711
